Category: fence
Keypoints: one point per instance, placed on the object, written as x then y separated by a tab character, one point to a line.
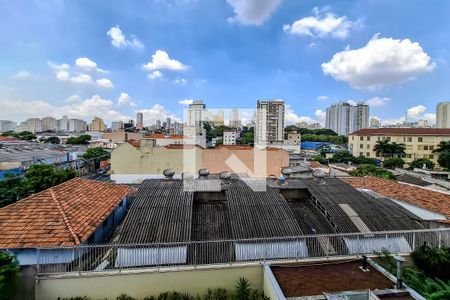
95	258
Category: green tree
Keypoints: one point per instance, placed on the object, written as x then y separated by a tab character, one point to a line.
248	138
419	162
53	140
394	162
382	148
8	268
79	140
371	170
444	154
96	154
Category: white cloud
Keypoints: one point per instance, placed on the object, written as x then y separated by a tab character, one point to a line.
383	61
252	12
321	25
155	74
119	40
292	118
186	101
321	116
58	67
21	75
85	63
180	81
322	98
377	101
82	79
125	100
414	113
162	61
62	75
352	102
73	99
104	83
157	112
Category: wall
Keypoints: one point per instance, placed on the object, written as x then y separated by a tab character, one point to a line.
270	285
139	285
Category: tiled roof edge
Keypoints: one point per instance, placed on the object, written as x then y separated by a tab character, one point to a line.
66	220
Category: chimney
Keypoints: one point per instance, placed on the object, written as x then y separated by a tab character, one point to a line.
168	173
203	173
400	260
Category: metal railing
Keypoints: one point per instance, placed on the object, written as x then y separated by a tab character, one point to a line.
118	257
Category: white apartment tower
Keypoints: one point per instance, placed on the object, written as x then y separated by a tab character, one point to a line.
49	123
344	118
269	121
443	115
139	121
235	122
196	115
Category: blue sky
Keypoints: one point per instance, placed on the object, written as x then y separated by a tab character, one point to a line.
113	58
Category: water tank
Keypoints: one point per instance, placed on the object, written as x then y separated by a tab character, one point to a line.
169	173
203	173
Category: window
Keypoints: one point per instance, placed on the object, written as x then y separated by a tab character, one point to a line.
420	147
361	153
388	139
361	146
368	154
409	139
361	138
368	146
425	147
408	156
431	147
431	156
368	138
420	140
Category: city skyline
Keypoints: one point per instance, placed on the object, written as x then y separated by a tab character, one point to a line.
309	52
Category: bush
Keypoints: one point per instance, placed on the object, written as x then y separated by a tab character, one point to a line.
371	170
419	162
321	160
394	162
9	267
434	262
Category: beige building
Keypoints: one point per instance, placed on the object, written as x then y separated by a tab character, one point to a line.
135	161
419	142
443	115
169	139
269	122
292	138
97	124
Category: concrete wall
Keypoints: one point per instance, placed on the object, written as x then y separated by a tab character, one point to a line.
139	285
270	285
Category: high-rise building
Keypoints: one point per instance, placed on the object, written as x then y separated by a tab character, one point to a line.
158	123
49	124
219	118
375	123
64	124
77	125
443	115
116	126
269	121
139	121
235	121
308	125
344	118
168	123
6	125
32	124
97	124
196	117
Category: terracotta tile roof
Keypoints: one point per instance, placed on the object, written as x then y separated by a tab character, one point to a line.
7	139
403	131
182	146
135	143
165	136
431	200
316	165
66	214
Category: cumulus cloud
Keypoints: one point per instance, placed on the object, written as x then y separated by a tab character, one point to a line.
73	99
322	98
64	72
162	61
21	75
180	81
252	12
186	102
321	116
104	83
414	113
86	64
157	112
292	118
119	40
383	61
377	101
155	74
125	100
321	25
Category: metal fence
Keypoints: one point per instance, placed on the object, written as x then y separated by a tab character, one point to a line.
118	257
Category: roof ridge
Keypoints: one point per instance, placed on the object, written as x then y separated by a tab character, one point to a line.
64	216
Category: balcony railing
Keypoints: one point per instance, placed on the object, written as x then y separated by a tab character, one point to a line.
118	257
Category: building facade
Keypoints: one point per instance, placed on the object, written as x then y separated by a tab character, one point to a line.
117	126
97	124
32	124
443	115
77	125
269	122
375	123
419	142
6	125
49	124
344	118
235	121
230	137
139	121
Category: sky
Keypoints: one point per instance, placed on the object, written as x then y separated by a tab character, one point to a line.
114	58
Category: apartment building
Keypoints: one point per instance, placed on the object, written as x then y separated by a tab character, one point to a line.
77	125
230	137
419	142
97	124
443	115
32	124
49	124
139	121
269	121
375	123
345	118
235	121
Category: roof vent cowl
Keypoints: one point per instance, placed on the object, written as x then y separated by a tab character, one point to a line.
225	175
286	172
203	173
169	173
